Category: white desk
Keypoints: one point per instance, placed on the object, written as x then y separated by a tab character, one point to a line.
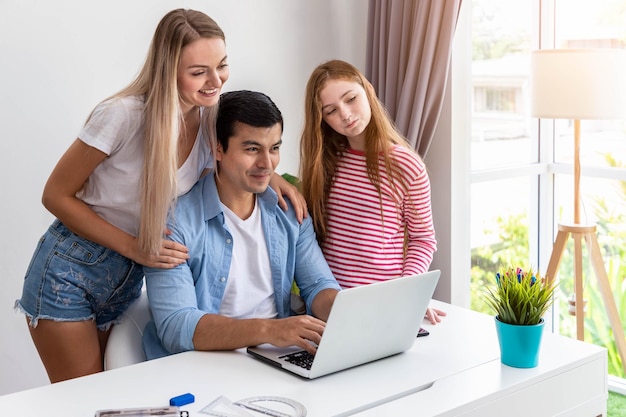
453	371
570	380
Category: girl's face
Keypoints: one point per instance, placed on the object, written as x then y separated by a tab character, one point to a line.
346	109
202	71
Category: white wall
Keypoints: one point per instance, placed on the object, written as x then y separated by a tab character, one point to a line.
448	162
59	58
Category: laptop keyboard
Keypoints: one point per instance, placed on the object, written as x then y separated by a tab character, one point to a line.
302	359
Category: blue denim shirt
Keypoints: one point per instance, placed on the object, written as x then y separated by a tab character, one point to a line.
180	296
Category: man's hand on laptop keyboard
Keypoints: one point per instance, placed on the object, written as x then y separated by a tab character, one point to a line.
303	331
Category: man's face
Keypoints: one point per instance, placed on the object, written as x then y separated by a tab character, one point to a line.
252	156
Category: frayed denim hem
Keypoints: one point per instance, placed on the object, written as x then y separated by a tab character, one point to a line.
106	326
34	321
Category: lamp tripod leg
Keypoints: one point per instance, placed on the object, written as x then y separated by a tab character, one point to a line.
607	295
578	286
579	232
557	254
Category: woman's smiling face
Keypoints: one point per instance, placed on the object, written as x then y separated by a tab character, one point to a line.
202	71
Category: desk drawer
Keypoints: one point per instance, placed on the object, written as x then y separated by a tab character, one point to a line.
580	392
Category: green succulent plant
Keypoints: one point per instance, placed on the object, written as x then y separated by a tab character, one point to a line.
520	297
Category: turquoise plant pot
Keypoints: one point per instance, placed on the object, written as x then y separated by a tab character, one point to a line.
519	345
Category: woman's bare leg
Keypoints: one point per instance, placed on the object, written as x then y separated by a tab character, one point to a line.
68	349
103	338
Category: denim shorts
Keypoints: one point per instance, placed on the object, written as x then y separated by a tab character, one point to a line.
73	279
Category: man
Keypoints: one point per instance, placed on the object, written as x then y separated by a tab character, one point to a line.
245	251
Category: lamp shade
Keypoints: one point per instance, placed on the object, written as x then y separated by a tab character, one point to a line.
578	83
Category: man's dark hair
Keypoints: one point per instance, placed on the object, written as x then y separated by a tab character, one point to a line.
244	106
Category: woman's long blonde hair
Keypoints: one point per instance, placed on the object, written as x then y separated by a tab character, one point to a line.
321	147
163	118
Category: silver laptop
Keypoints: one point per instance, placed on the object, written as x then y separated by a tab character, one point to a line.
366	323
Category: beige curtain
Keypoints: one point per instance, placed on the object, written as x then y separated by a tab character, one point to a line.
409	47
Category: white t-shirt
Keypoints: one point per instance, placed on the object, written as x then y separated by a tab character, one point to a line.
113	189
249	290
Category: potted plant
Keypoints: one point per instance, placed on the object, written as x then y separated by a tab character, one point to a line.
520	299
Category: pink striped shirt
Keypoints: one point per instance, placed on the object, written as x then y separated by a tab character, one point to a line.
360	247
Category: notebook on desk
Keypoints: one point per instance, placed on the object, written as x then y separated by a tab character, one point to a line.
366	323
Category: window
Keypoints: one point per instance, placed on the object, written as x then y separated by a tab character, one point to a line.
522	184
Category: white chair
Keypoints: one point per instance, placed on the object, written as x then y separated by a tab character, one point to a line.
124	346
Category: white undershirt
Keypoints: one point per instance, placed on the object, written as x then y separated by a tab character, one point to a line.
249	291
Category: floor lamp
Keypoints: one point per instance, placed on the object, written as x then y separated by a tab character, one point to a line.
580	84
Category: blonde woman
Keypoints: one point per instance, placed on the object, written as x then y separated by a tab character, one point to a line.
112	189
367	192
